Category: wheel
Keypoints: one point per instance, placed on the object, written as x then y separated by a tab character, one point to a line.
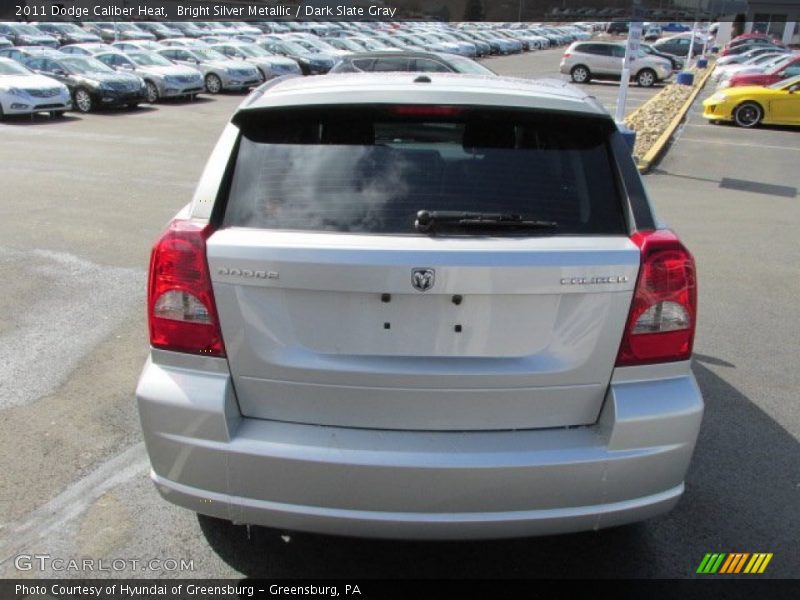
2	116
748	114
133	105
262	74
57	114
151	92
646	78
580	74
83	100
213	84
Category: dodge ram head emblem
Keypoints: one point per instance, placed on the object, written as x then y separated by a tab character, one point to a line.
422	279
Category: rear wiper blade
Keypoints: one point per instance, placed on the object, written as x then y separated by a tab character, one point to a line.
429	220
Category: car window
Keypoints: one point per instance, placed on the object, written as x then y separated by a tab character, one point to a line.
791	71
390	64
598	49
429	66
373	172
363	64
618	51
35	64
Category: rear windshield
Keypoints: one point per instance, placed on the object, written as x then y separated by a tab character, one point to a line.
371	170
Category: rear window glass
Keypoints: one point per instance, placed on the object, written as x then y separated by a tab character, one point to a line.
371	171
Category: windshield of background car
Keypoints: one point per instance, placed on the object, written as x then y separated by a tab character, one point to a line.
84	64
252	51
293	47
370	170
26	29
148	59
208	54
465	65
11	68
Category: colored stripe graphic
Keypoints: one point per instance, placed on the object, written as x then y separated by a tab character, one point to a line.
758	563
711	563
734	563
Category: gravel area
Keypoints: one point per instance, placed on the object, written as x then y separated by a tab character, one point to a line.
653	118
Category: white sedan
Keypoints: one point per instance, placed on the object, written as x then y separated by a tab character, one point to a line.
23	92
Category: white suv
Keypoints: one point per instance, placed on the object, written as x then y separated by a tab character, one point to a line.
585	61
420	306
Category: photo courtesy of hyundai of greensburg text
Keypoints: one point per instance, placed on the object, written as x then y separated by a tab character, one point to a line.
399	299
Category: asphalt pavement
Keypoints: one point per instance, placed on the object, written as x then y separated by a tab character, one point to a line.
81	202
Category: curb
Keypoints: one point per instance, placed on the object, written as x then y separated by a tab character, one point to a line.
655	151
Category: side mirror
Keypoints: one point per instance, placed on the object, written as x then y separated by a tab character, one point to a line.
60	72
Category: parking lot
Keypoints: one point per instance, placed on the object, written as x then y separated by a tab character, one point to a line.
83	199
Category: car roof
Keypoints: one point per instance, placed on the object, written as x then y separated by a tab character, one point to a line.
423	88
397	54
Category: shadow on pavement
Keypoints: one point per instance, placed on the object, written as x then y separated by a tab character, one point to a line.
741	496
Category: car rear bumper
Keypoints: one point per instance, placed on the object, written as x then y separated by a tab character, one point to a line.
627	467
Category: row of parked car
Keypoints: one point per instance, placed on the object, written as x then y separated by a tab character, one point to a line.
758	82
57	67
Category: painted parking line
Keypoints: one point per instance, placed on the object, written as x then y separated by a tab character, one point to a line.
738	143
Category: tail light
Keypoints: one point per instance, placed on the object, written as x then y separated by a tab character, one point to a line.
661	322
180	302
567	54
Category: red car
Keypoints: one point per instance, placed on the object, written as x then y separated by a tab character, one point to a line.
750	40
782	71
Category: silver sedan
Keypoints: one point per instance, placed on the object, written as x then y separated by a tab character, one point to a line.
219	72
270	65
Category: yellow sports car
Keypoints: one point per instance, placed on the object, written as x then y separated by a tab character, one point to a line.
776	104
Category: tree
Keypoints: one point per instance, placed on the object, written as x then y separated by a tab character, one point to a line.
474	11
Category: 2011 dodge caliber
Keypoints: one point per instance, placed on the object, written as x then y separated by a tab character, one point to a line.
421	306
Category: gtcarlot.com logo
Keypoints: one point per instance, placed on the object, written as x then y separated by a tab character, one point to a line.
734	563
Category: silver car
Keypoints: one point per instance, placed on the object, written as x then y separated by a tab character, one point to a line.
163	78
268	64
420	309
584	61
219	72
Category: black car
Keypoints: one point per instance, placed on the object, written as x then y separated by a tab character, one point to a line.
91	83
24	34
618	27
677	63
430	62
311	63
679	46
68	33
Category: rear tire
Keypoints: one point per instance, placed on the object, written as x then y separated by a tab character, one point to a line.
580	74
748	114
646	78
57	114
133	105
